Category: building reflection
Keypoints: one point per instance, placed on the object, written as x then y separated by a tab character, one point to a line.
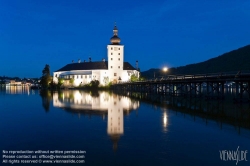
17	90
101	103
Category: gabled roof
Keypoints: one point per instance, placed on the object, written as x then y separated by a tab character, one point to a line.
93	66
85	66
128	66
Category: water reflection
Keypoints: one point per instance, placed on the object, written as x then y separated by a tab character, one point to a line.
46	98
222	111
17	90
165	119
94	103
113	108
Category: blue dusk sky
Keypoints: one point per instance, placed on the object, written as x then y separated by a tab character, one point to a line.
156	33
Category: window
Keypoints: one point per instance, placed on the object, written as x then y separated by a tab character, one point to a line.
115	74
115	48
56	75
111	53
81	76
89	76
85	76
76	76
118	48
111	59
118	59
118	67
111	48
118	53
111	67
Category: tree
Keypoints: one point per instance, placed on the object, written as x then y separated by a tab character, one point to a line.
94	83
142	78
60	82
46	77
133	78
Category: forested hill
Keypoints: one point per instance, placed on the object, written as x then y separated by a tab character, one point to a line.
232	61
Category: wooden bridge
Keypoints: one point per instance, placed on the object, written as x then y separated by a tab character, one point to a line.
210	86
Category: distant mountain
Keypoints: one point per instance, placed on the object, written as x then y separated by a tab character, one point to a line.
235	60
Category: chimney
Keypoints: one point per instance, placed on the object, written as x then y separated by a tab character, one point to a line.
79	60
136	65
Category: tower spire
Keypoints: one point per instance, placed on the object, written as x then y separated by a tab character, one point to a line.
115	39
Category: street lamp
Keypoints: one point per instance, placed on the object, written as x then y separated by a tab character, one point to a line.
165	69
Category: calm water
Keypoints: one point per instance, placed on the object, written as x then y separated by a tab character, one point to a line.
117	130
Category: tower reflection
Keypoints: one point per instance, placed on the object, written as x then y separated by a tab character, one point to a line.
100	103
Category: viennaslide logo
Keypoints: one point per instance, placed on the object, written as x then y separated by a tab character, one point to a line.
233	155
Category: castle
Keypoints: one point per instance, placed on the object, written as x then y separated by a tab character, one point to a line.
113	70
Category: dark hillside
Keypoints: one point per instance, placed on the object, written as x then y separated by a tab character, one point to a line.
232	61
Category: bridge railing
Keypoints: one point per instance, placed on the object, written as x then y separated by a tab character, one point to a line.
194	76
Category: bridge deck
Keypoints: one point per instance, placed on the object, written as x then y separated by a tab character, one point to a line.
191	85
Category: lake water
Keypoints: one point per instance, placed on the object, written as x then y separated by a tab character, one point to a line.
118	130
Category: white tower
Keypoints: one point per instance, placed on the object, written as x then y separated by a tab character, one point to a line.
115	57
